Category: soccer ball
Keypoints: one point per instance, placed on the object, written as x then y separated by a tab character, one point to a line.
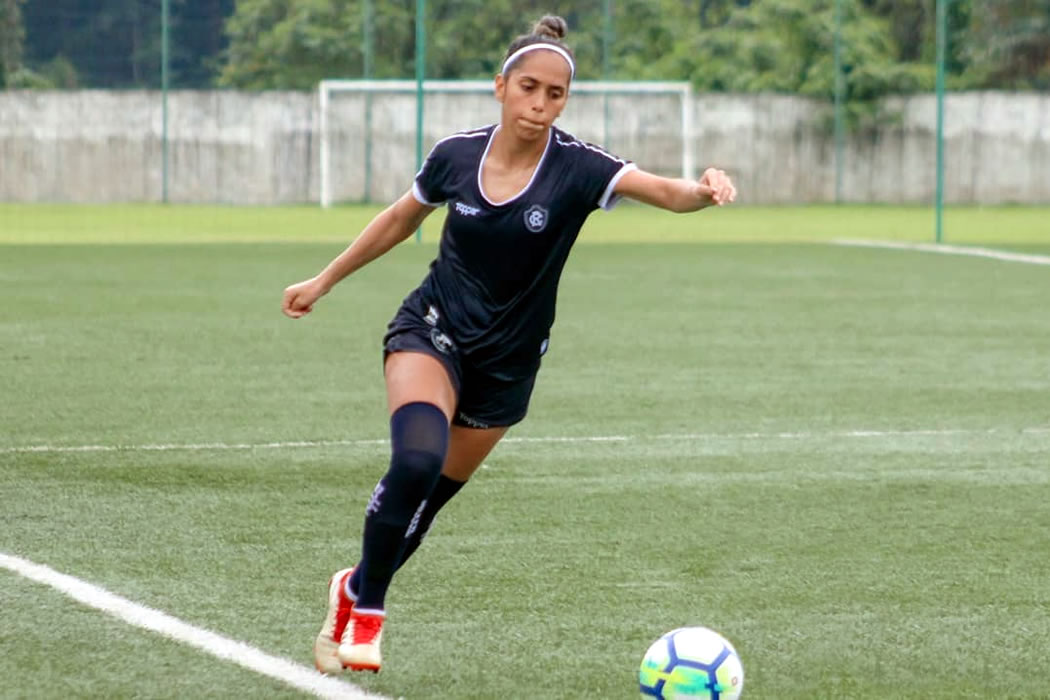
691	662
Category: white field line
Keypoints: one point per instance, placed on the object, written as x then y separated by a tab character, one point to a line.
192	446
288	672
950	250
684	437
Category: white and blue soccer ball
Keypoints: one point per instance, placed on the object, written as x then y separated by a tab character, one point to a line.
691	662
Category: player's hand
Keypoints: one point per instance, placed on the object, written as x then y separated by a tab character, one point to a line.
299	298
716	188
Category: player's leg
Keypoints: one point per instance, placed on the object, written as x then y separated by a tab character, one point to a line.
421	398
467	449
487	408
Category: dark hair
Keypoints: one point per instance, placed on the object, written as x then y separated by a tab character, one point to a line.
550	29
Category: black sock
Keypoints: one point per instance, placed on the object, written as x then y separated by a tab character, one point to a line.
419	441
443	492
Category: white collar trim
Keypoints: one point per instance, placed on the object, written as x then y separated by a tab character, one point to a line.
535	171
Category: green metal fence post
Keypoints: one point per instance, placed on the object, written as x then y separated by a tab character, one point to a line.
420	72
164	20
840	89
369	49
606	48
942	40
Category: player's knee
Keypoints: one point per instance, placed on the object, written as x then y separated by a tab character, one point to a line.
419	427
419	437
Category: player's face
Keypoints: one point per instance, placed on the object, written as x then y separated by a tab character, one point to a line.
533	94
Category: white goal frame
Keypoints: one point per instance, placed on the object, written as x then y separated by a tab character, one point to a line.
327	87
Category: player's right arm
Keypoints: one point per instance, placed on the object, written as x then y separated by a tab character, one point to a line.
387	229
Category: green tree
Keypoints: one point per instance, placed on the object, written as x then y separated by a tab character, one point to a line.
1007	45
14	74
12	34
296	43
911	24
117	43
788	46
721	45
469	38
281	44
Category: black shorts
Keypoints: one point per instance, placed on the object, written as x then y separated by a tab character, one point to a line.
483	401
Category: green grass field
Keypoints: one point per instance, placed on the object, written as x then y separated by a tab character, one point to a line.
838	457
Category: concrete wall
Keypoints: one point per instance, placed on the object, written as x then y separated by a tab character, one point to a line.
100	146
262	148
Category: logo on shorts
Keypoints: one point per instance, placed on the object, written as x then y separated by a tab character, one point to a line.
535	218
471	422
432	316
441	341
544	345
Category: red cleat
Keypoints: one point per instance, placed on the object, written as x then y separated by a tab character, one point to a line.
360	648
326	646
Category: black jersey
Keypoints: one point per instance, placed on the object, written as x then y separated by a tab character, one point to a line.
495	280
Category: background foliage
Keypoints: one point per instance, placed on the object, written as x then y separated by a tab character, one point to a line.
720	45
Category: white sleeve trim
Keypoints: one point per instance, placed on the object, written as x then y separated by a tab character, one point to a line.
609	198
418	194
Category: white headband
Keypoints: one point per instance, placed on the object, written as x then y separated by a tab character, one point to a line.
533	47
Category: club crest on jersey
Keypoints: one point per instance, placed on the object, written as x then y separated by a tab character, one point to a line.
535	218
441	341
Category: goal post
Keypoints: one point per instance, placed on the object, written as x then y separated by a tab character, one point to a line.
384	103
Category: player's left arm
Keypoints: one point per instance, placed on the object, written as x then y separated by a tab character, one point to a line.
714	188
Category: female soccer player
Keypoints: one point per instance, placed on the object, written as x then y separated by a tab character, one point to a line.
461	355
